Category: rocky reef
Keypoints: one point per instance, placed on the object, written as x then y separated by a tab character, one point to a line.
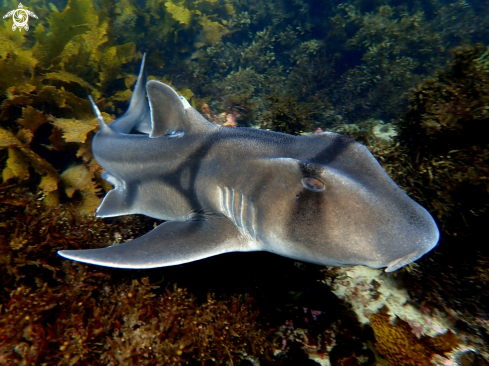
408	79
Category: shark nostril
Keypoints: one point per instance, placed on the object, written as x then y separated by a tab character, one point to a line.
313	184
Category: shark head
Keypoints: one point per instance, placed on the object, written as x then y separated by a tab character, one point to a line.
337	206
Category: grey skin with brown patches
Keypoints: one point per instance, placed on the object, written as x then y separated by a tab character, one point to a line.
322	199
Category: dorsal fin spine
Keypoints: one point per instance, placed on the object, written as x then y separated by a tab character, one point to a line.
100	119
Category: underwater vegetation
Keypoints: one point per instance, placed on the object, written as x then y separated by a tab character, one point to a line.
287	115
46	125
47	122
355	59
271	64
440	158
291	66
443	138
56	312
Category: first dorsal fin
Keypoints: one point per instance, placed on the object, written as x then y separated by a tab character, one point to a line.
137	115
171	114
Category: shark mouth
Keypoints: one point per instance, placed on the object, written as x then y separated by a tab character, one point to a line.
400	262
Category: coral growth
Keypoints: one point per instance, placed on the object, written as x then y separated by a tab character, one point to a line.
399	346
371	130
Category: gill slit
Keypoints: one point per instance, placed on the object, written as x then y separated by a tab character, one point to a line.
240	210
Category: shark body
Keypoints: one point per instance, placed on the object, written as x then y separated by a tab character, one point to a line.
321	198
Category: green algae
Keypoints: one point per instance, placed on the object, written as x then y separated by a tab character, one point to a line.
74	54
281	68
179	13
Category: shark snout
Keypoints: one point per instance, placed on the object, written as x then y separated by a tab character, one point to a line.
428	240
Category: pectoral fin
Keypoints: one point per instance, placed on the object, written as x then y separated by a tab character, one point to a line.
169	244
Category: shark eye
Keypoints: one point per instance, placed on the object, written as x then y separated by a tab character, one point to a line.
313	184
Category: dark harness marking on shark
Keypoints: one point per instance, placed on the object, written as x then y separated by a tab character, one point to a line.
322	198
